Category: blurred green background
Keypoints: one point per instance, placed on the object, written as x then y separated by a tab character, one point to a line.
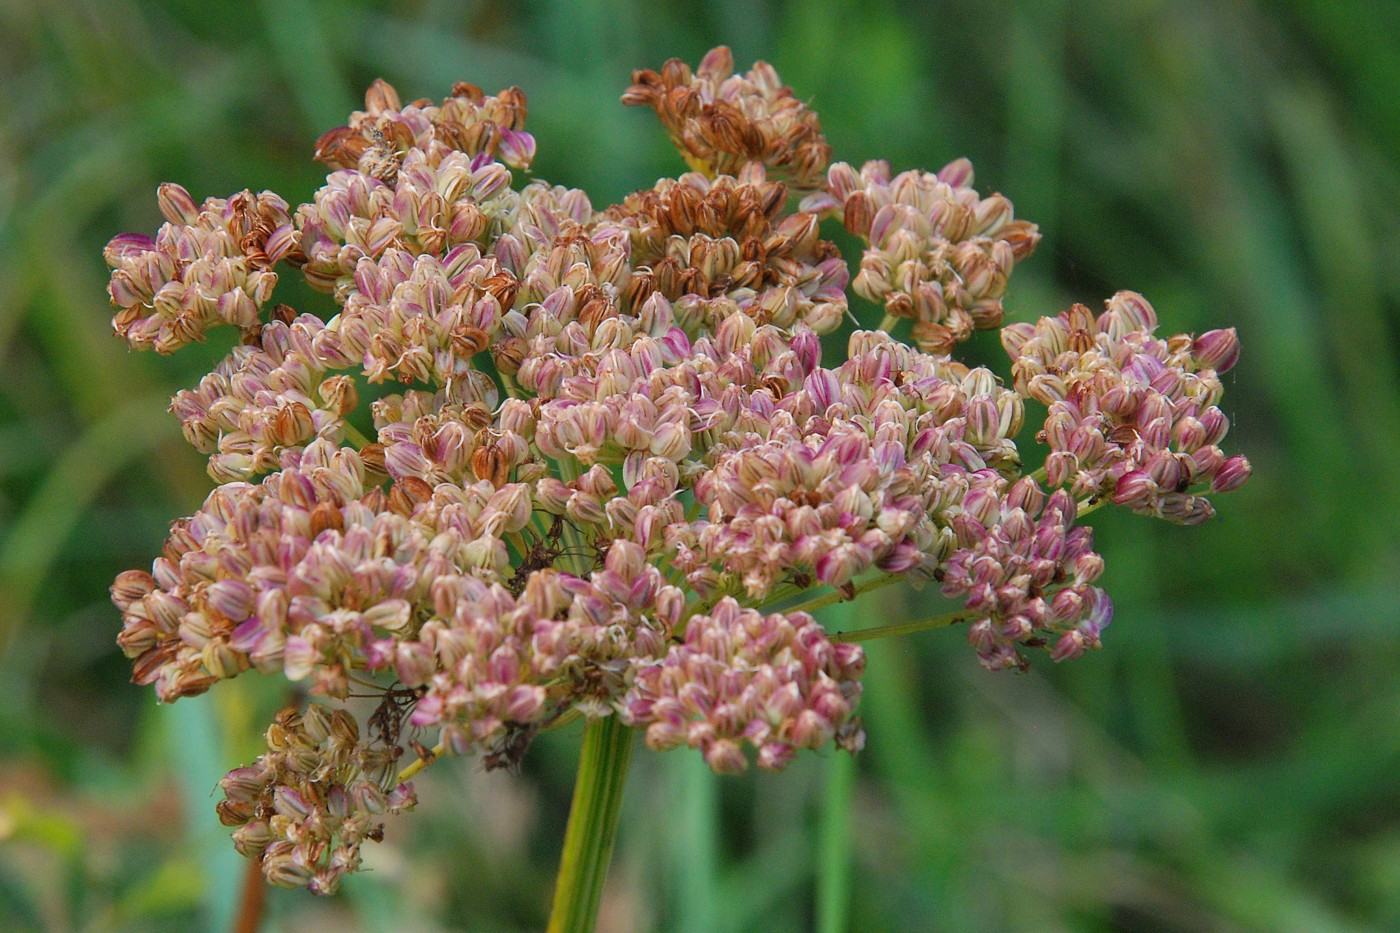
1230	761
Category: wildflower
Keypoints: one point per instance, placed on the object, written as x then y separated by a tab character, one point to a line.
468	121
307	572
428	208
208	265
1025	570
612	446
695	239
264	399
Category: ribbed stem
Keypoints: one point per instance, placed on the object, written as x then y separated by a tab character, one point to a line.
593	815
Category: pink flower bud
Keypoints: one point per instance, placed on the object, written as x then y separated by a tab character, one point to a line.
525	703
517	149
775	756
232	599
1134	490
130	587
671	441
1217	349
287	871
406	460
290	804
1070	645
1232	475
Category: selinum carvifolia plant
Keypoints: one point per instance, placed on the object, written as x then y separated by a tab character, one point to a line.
613	475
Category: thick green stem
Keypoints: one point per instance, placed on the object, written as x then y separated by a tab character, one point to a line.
588	842
834	846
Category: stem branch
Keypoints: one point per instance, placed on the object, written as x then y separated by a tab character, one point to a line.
353	435
1088	506
906	628
837	596
408	773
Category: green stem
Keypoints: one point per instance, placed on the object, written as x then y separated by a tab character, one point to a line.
1087	506
888	322
694	845
905	628
834	856
811	605
593	816
576	558
353	435
834	847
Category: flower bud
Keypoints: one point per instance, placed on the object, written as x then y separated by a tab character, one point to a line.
1232	475
725	757
1217	349
177	205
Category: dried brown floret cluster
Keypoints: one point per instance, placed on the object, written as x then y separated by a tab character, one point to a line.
610	462
724	123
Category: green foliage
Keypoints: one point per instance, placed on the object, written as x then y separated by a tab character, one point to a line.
1227	763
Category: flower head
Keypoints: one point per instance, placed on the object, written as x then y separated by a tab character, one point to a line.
377	139
609	446
209	264
939	253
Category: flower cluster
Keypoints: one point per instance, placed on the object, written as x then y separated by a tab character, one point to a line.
427	208
1132	417
492	665
614	468
264	398
695	240
306	806
209	264
378	137
847	469
776	682
1025	571
939	253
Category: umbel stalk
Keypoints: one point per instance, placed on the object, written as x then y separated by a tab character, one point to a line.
593	816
